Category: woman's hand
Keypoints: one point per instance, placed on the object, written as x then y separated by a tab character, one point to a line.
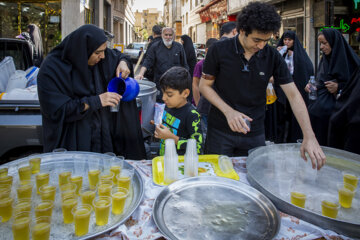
332	86
307	88
279	47
123	69
109	99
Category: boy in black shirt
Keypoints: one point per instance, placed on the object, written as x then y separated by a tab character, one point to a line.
180	120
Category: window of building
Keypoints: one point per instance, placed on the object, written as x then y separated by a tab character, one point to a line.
187	18
191	5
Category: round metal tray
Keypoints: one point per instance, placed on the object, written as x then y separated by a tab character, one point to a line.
214	208
56	162
276	170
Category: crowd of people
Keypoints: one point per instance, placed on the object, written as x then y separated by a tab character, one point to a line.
219	101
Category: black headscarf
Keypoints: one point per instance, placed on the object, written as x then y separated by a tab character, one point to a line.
66	82
343	60
344	126
303	67
189	52
36	38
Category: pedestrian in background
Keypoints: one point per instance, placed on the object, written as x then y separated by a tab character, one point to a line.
240	69
189	52
36	38
201	103
163	55
156	31
336	66
74	102
300	68
228	30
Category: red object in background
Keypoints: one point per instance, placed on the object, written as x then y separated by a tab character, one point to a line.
358	29
232	18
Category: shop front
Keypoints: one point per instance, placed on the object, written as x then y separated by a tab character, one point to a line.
214	14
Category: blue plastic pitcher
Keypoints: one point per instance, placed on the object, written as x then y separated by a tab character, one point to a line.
128	88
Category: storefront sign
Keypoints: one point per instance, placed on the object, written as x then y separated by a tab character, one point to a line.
343	26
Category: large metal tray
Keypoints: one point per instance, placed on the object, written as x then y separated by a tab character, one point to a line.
53	163
214	208
277	169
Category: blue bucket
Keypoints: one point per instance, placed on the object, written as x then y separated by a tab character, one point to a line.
128	88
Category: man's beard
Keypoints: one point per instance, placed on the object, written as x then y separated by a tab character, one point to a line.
167	43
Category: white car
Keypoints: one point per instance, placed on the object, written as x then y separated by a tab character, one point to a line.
133	49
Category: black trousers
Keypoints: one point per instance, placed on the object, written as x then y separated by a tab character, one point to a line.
219	142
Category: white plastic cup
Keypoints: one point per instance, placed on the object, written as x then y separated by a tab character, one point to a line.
191	159
171	162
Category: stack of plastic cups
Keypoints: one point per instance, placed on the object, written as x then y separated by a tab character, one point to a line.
191	159
170	162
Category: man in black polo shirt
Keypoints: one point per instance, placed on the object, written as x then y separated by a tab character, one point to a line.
162	56
240	68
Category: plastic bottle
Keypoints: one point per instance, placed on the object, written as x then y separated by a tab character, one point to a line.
283	50
312	93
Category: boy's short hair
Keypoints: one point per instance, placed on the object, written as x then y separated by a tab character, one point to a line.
258	16
177	78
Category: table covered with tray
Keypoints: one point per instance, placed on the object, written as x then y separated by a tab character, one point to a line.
141	224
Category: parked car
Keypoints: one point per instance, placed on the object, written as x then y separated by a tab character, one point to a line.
133	49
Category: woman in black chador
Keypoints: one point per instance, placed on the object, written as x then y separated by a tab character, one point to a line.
284	124
189	52
336	66
344	129
72	87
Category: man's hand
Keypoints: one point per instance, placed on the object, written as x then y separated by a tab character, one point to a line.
331	86
123	69
162	132
109	99
316	154
307	88
236	121
139	77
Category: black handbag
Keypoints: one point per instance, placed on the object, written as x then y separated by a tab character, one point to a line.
323	105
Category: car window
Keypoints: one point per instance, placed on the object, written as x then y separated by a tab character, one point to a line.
138	45
130	46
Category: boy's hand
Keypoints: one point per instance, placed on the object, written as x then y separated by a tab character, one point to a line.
162	132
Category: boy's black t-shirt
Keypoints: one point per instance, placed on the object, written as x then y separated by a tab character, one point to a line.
244	89
185	123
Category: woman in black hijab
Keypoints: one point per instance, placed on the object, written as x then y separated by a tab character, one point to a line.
189	52
301	68
344	129
36	38
336	66
74	102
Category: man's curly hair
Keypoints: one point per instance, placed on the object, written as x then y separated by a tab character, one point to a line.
258	16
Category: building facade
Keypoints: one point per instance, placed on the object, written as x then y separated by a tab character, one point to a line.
57	18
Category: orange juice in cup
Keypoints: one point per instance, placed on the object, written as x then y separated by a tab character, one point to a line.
67	204
102	210
35	165
298	199
77	180
6	208
41	179
21	226
350	178
47	192
64	178
44	208
41	228
24	191
118	196
81	218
